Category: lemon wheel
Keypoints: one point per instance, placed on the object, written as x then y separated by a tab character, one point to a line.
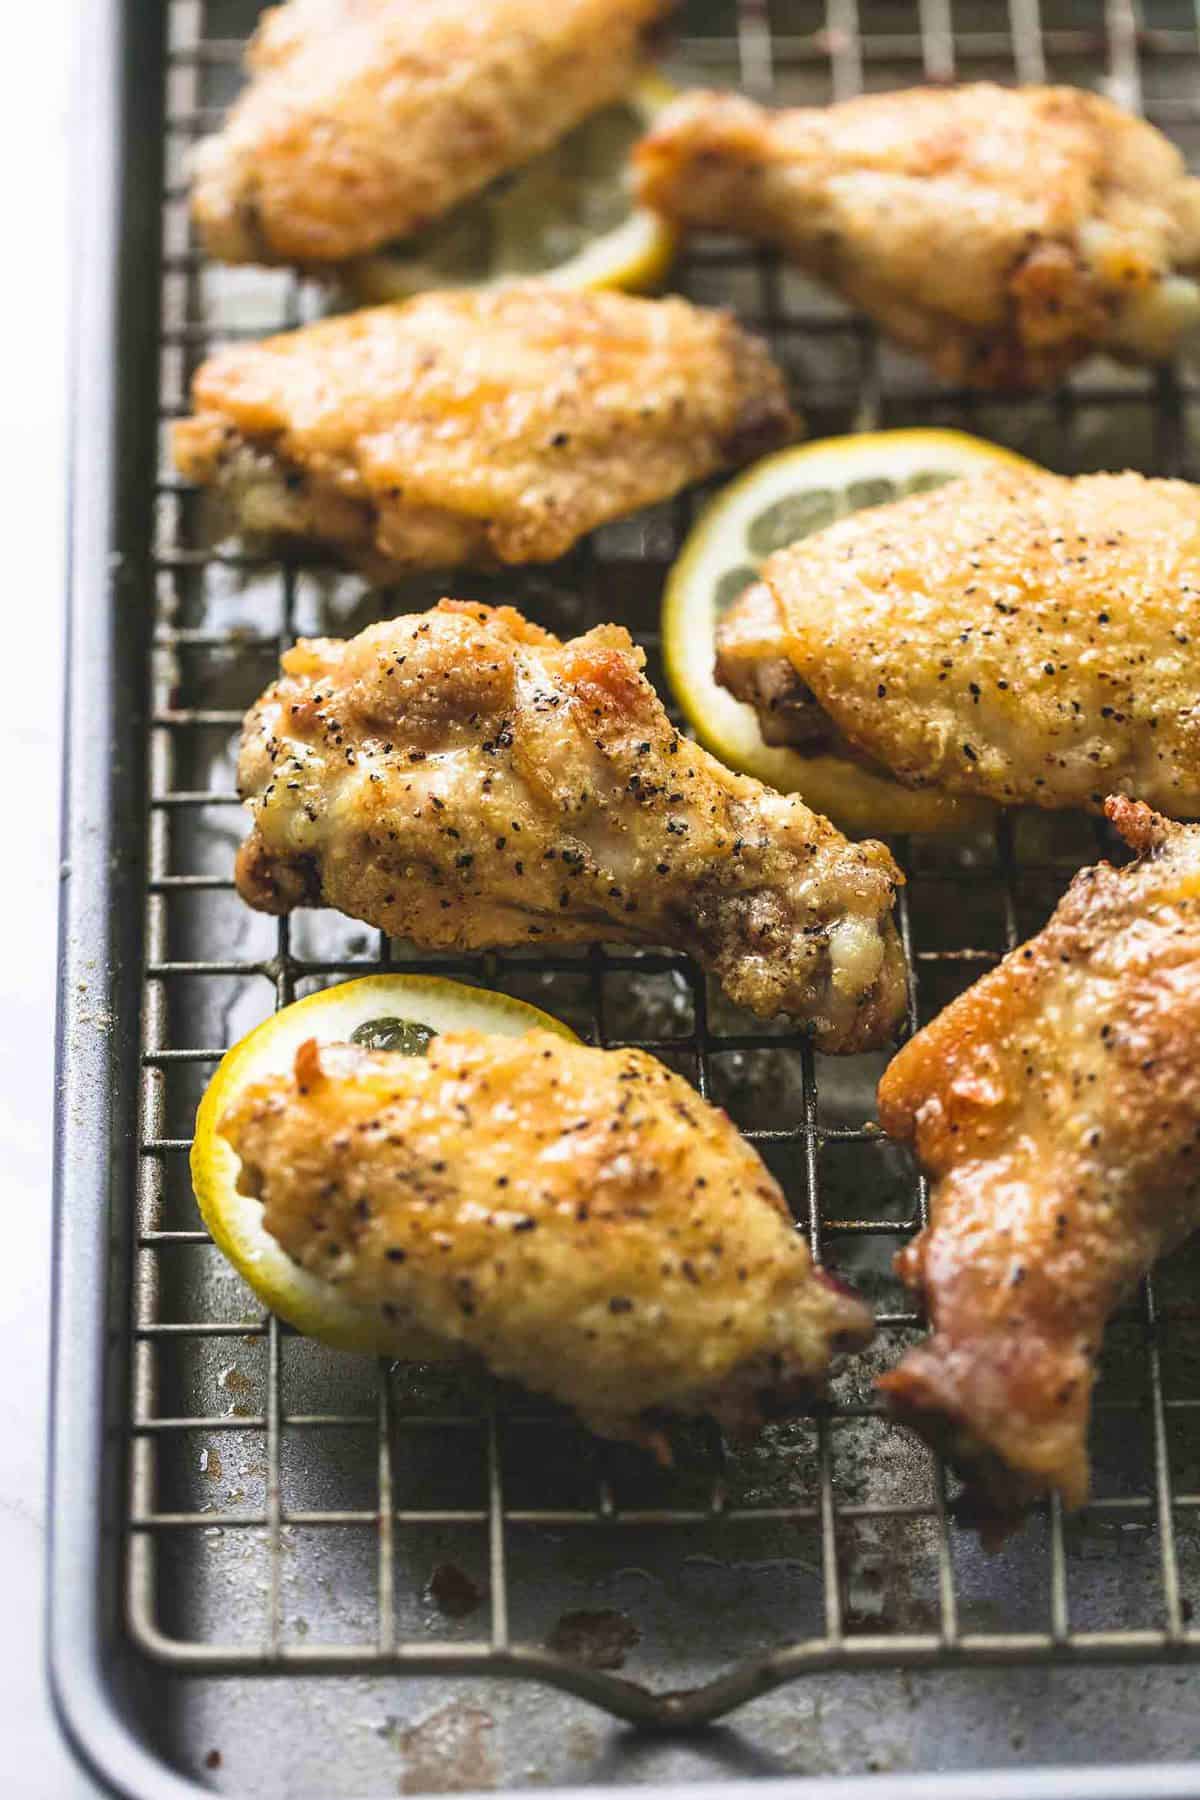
385	1012
568	217
785	497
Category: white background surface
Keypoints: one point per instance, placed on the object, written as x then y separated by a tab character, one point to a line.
34	133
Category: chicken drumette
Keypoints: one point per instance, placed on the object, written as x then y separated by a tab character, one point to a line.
1023	637
1056	1107
463	779
478	427
580	1219
1003	233
366	119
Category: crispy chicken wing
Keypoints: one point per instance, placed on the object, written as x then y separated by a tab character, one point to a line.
1056	1107
1002	233
478	426
365	120
580	1219
1021	636
463	779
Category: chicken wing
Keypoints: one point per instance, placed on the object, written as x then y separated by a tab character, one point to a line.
365	120
580	1219
463	779
1002	233
1056	1107
1020	636
477	427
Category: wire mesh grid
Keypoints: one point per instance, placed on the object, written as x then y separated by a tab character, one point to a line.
292	1510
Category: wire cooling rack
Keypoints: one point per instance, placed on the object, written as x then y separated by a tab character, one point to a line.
294	1510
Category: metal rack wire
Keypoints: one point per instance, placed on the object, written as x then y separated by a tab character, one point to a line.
407	1463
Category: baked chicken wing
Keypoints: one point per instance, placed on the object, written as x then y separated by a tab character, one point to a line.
365	120
1003	233
478	427
1019	636
463	779
1056	1108
580	1219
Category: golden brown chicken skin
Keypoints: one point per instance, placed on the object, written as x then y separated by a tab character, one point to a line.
1002	233
365	120
478	427
579	1219
1056	1108
461	778
1020	636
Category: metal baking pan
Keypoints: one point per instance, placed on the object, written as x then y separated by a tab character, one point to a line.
245	1528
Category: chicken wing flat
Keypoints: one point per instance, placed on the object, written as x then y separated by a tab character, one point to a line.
580	1219
1056	1107
463	779
478	427
1024	637
1002	233
364	120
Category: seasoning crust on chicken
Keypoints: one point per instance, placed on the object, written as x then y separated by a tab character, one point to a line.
478	427
1020	636
580	1219
364	120
1056	1108
463	779
1002	233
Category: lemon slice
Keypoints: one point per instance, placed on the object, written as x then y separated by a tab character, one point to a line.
780	499
567	217
384	1012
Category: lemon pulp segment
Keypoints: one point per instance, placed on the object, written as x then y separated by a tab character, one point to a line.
380	1011
785	497
567	217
